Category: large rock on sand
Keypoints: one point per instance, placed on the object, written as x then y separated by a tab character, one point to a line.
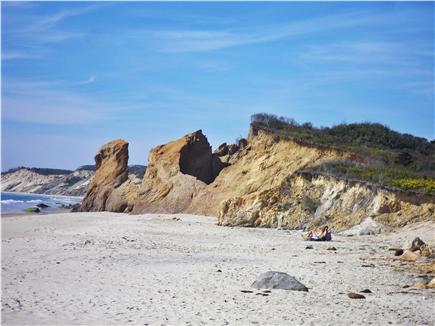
278	280
176	173
111	164
367	227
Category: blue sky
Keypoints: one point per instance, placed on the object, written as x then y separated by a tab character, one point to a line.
76	75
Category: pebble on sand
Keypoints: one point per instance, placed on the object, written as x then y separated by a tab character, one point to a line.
354	295
398	252
409	256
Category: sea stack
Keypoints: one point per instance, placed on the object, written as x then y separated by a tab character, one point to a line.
111	170
176	173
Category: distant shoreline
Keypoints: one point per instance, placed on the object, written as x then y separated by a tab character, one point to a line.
51	211
49	195
46	211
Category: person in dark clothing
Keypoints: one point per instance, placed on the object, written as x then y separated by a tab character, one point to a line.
323	234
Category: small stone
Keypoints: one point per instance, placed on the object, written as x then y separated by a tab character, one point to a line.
425	253
405	286
409	256
420	286
431	284
246	291
366	291
416	244
309	247
219	271
398	252
354	295
42	205
368	265
331	248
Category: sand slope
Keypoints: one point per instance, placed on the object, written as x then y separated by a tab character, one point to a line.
109	268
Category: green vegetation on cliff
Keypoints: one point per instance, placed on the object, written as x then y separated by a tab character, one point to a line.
387	157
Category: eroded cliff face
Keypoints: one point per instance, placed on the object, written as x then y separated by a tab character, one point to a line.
256	182
305	200
109	190
26	180
261	163
177	172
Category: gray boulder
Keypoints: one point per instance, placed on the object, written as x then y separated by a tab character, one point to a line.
278	280
367	227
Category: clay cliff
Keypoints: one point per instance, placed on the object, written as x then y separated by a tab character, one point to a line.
306	200
111	188
260	181
177	172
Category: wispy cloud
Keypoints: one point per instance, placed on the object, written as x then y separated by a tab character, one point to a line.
47	22
90	80
19	4
49	103
366	52
421	88
28	35
209	40
212	66
13	55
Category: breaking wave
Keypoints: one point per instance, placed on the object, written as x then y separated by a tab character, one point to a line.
16	203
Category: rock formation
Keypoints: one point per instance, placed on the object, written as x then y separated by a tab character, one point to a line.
366	227
308	201
256	182
176	173
111	171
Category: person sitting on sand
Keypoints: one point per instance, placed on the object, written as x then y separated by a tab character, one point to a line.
323	234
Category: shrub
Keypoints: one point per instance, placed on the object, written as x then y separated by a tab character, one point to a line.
427	185
32	210
396	159
404	158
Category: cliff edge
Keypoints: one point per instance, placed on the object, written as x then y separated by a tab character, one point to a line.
267	180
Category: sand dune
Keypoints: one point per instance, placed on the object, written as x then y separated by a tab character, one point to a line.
109	268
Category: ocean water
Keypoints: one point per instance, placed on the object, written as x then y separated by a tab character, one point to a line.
16	203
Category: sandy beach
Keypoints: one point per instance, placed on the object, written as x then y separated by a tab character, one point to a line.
159	269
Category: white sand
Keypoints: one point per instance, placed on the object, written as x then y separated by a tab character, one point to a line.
103	268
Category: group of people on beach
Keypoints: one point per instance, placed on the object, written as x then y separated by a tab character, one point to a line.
323	234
